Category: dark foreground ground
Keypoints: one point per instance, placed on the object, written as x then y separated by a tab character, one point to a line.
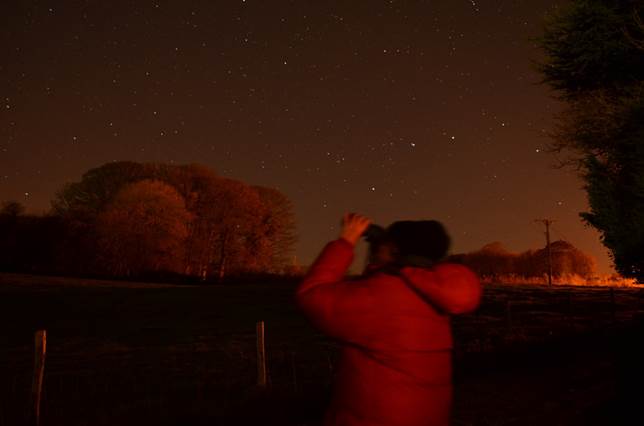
126	354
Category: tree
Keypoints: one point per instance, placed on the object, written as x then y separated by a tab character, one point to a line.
566	260
233	228
97	187
279	227
529	265
594	62
228	234
144	229
12	209
494	261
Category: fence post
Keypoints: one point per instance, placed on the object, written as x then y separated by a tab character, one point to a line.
39	372
261	355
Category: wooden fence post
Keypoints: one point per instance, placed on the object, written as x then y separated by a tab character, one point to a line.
261	355
39	372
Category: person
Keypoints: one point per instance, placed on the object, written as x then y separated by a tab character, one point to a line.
393	323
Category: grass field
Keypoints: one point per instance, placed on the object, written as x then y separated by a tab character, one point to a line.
138	353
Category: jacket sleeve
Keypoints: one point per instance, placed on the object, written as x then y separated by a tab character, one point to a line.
452	288
339	308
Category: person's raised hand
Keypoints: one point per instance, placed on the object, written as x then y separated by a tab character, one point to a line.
353	226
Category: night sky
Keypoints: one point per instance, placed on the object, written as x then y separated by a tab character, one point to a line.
395	109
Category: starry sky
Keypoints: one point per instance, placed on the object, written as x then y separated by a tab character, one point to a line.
395	109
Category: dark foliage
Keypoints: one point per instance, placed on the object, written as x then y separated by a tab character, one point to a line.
595	62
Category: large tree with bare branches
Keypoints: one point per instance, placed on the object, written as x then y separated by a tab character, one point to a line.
143	229
136	214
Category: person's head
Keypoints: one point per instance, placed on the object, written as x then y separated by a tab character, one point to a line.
381	250
382	253
426	239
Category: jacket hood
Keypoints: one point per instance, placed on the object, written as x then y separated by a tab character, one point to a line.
452	288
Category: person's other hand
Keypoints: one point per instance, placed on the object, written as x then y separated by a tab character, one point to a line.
353	226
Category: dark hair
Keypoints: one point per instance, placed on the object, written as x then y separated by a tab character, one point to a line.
424	238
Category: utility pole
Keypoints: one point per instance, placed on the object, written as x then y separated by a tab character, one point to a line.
548	222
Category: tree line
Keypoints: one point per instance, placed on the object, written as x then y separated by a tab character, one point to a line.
493	261
127	219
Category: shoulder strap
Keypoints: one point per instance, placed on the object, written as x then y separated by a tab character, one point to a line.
419	293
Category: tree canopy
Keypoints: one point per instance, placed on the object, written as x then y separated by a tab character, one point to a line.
494	261
135	219
595	64
143	228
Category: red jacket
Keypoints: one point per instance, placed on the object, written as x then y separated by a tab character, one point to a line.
395	365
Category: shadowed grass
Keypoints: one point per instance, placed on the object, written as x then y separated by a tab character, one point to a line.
136	353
